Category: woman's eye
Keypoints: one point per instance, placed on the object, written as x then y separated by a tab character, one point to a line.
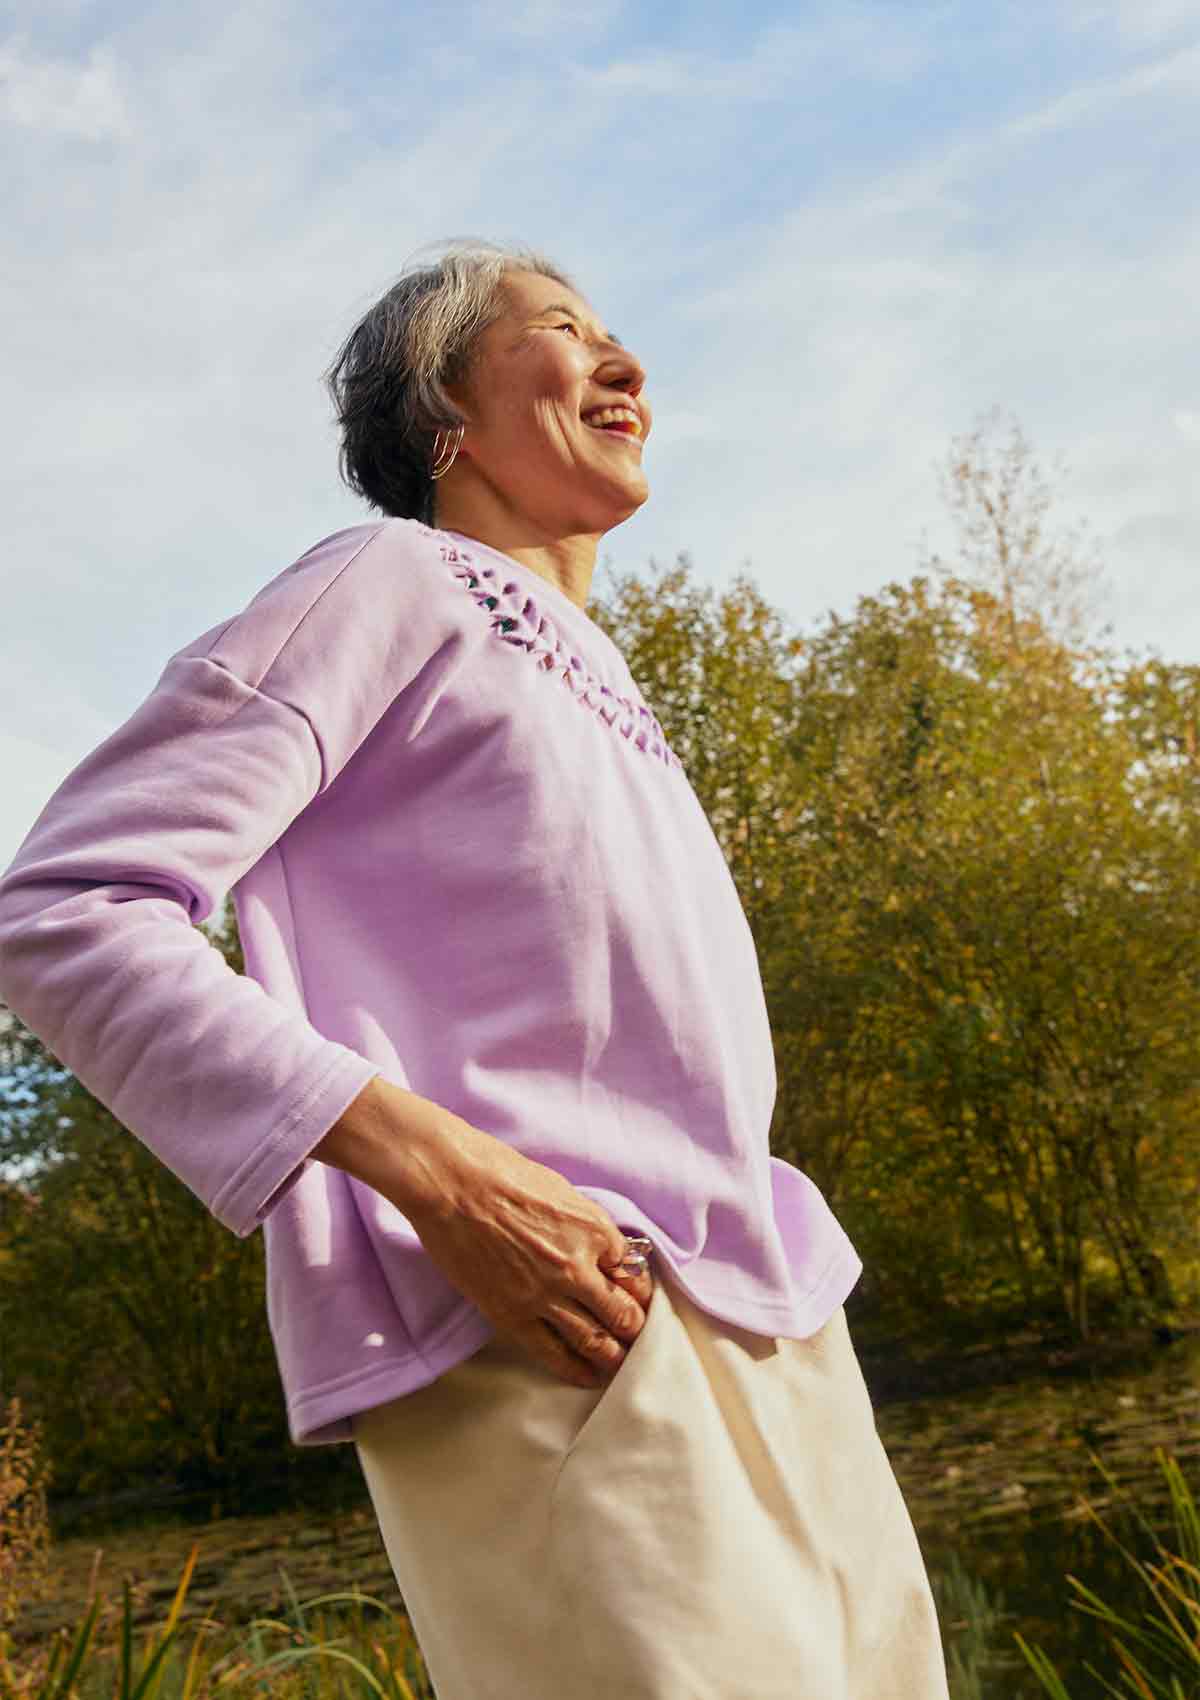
568	325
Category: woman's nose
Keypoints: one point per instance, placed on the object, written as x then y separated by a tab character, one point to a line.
622	370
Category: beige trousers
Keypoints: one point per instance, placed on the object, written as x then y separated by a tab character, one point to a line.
719	1522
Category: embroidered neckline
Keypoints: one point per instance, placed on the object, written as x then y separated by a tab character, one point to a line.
516	619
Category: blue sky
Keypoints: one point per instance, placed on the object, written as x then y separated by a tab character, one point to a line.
835	235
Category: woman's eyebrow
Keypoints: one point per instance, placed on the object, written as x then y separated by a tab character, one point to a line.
562	307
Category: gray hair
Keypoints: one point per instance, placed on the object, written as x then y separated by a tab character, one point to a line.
388	380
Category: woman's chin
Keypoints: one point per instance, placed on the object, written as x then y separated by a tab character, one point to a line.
593	519
618	517
629	499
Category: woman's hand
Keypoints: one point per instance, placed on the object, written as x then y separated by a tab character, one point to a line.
533	1254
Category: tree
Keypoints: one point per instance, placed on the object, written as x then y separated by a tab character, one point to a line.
1011	964
133	1322
967	844
964	843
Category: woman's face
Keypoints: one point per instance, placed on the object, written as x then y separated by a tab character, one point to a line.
542	372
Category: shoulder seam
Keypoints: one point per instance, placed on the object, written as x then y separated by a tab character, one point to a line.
346	564
279	702
255	684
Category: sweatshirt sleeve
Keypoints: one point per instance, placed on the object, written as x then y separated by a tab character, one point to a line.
99	955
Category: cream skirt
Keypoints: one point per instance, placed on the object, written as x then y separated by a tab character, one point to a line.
719	1522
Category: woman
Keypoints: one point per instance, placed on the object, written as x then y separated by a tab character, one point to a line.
501	1033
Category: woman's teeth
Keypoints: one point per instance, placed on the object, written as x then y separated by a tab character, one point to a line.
615	418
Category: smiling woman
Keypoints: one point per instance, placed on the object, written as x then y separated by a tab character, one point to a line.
501	1041
508	391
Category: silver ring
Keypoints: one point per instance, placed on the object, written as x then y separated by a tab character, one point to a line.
638	1250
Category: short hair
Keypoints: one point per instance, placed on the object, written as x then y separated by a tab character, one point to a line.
388	380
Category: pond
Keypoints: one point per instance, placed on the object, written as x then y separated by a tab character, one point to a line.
999	1478
995	1478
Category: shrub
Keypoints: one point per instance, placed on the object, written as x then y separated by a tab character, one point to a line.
24	1526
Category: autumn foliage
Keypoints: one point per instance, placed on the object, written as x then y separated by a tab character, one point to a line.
24	1525
967	841
966	837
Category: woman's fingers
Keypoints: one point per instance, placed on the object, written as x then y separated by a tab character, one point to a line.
641	1287
600	1343
605	1319
543	1343
622	1295
603	1313
619	1303
539	1259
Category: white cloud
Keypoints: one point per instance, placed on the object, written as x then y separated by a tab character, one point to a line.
667	74
874	44
1179	70
540	19
814	332
873	322
62	97
1135	20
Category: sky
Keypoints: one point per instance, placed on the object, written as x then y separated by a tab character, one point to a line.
836	235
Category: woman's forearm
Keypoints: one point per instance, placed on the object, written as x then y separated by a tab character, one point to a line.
400	1144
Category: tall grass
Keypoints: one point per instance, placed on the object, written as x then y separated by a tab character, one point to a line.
341	1646
1155	1655
970	1616
352	1646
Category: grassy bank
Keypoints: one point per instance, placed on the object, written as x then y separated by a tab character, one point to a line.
998	1479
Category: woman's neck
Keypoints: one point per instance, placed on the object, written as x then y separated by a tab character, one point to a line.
568	562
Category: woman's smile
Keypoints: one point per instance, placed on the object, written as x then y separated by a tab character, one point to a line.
544	370
624	421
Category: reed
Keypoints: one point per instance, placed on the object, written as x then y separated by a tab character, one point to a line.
1156	1653
340	1646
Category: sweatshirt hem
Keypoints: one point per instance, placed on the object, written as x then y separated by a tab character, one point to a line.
324	1415
807	1312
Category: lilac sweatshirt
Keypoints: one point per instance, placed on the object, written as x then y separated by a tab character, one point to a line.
462	856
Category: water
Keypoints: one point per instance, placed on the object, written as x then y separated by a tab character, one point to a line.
998	1570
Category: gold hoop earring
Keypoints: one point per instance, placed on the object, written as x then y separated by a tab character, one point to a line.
443	461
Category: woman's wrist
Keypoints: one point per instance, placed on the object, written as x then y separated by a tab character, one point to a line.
398	1143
